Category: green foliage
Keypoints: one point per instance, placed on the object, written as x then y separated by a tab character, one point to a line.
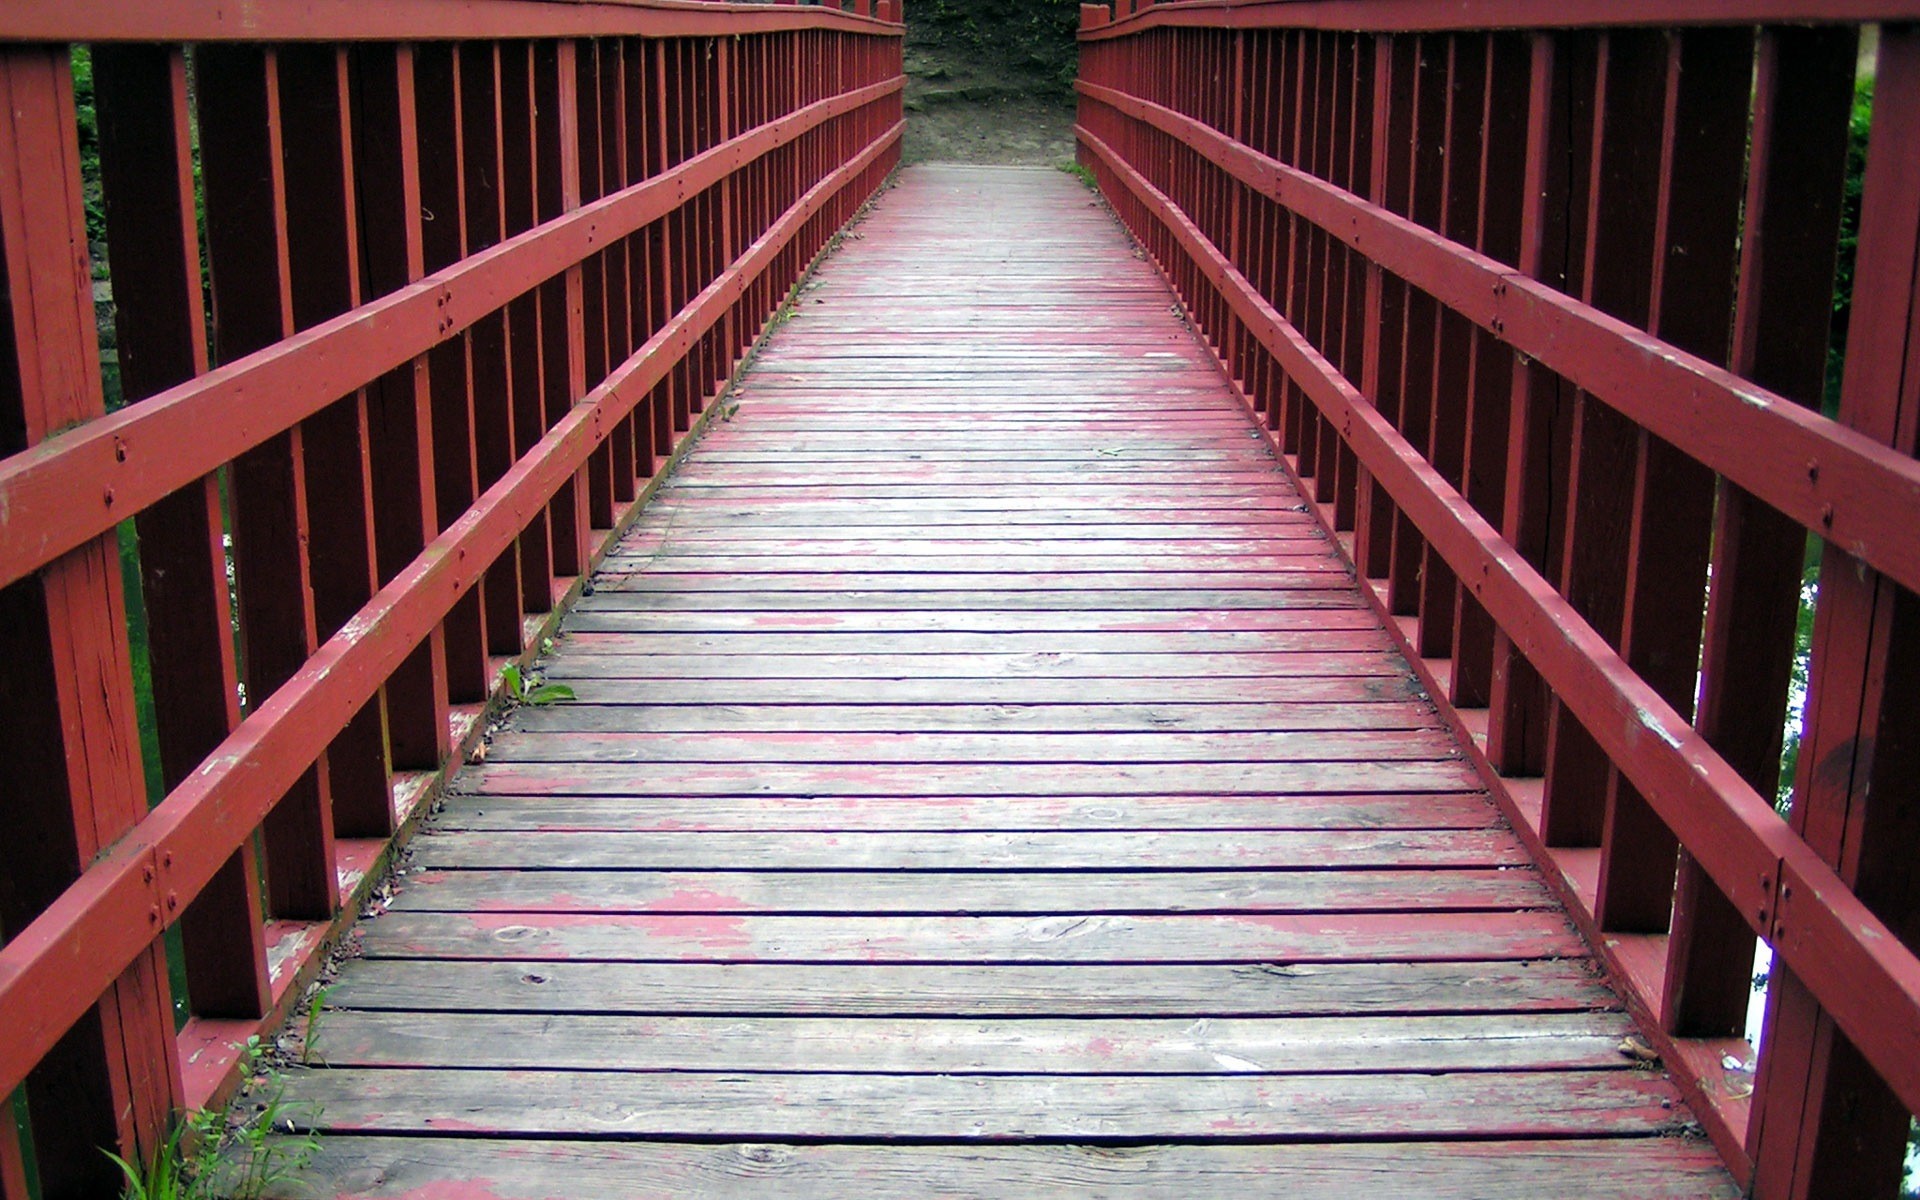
1083	174
204	1157
316	1005
520	692
1029	39
1860	127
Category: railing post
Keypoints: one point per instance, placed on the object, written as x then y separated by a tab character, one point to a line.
1827	1125
242	157
70	737
1516	725
141	100
400	405
1746	661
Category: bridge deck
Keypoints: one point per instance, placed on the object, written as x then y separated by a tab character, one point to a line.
985	779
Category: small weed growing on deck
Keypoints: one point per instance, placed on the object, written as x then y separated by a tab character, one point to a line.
538	694
316	1005
1083	174
205	1157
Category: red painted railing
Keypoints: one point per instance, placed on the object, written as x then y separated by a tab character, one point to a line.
411	302
1535	299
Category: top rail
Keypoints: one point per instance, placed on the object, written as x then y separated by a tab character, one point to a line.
1126	17
338	343
1536	300
94	21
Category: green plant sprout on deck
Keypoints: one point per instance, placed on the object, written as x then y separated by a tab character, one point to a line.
204	1157
517	690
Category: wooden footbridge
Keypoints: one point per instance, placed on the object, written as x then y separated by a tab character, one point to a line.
1266	675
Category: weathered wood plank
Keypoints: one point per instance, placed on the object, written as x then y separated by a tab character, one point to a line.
1012	623
978	813
912	1046
627	634
907	579
965	779
612	745
355	1167
983	1107
871	597
923	850
1160	938
969	718
1346	689
852	990
970	892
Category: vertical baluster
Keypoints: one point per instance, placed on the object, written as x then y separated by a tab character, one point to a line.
70	738
1484	469
443	242
1420	328
1622	153
614	171
1826	1125
1373	516
517	178
1803	90
323	261
1706	79
1453	336
601	500
555	193
153	246
1517	720
489	338
639	118
247	250
399	405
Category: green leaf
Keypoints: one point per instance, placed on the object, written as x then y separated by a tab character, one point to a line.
548	693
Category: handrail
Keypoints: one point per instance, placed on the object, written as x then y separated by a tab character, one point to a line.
1537	319
477	272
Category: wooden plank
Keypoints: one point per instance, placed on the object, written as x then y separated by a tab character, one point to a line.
1242	597
349	1165
1074	938
964	779
914	1046
960	989
628	634
607	746
973	892
961	718
670	849
624	813
1118	665
983	1108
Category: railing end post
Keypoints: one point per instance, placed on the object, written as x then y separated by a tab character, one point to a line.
1093	16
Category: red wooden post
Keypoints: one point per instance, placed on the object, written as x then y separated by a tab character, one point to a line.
70	739
1691	292
518	157
1517	701
154	247
399	405
442	220
247	249
555	168
1826	1125
1779	341
323	271
482	210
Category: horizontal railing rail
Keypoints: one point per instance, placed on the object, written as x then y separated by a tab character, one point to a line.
339	341
1536	301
